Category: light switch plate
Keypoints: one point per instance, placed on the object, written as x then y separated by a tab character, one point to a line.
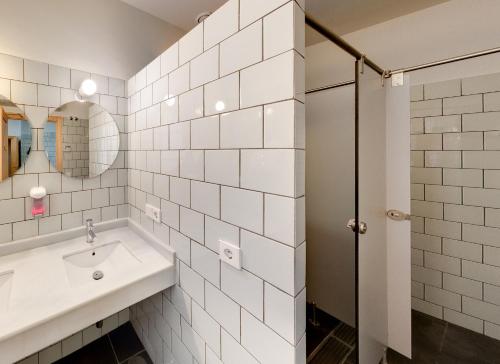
153	212
230	254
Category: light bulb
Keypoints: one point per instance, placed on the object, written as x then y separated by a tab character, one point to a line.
88	88
219	106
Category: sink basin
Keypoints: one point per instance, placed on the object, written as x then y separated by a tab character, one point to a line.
5	287
97	262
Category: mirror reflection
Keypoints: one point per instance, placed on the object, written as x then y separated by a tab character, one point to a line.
15	136
81	139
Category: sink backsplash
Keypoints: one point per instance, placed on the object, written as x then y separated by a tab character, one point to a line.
38	88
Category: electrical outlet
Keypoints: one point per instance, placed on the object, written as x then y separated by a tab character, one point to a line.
230	254
153	212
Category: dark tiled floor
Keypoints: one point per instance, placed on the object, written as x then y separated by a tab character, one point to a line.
120	346
316	334
438	342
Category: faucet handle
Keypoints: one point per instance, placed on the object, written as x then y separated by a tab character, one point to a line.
89	222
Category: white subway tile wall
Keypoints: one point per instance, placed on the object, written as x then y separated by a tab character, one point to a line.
38	88
229	146
456	201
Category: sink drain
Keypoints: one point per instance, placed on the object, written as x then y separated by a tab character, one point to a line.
97	275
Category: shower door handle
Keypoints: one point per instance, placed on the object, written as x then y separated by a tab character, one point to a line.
353	225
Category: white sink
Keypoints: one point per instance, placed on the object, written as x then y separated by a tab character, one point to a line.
5	288
98	262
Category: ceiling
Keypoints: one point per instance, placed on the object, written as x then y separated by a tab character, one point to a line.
181	13
346	16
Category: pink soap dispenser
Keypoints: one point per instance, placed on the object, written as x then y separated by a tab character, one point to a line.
38	207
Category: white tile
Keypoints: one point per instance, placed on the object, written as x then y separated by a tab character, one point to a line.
206	327
221	24
77	77
442	297
278	165
146	97
284	30
416	125
244	288
463	104
71	220
170	111
191	104
284	125
264	343
466	321
463	141
180	351
481	234
161	186
492	140
170	163
427	209
48	225
284	219
116	87
205	262
426	108
178	80
426	242
101	82
11	67
426	142
280	313
442	263
193	342
50	354
205	198
481	121
465	177
60	203
492	101
72	343
180	135
251	10
23	93
100	197
49	96
192	224
427	308
270	260
109	103
276	73
223	309
233	352
81	200
160	90
462	249
446	159
153	71
480	84
22	184
24	229
161	138
241	129
443	124
216	230
492	330
492	256
222	95
36	72
180	191
460	213
449	194
5	87
222	167
205	67
446	229
170	59
242	208
481	197
442	89
492	217
205	133
241	50
191	164
482	310
427	276
192	283
182	246
426	175
463	286
491	294
191	44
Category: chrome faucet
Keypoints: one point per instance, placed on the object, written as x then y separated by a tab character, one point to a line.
90	231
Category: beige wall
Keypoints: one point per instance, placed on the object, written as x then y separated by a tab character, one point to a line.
93	35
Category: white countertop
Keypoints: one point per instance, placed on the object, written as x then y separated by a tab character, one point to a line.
41	291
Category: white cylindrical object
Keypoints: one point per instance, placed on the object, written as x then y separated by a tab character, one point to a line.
38	192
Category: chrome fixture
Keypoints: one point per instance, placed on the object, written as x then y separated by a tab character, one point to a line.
397	215
353	225
90	231
202	16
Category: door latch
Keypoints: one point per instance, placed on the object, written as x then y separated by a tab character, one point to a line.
397	215
361	228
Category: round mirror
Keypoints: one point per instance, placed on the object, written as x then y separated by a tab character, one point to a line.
81	139
15	136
